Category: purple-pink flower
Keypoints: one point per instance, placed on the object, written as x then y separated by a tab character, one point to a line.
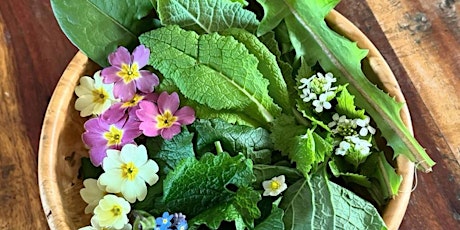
120	109
164	118
101	135
125	71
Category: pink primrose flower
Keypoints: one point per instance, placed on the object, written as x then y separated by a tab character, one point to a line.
164	118
101	135
120	109
126	74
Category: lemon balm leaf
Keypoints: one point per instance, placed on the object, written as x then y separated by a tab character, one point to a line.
213	70
98	27
314	41
206	16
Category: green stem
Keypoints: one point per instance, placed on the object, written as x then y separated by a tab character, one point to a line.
218	146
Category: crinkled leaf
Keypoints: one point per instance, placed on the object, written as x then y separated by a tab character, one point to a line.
283	133
98	27
206	16
315	41
268	66
346	104
213	70
168	153
253	143
195	186
204	112
352	211
324	215
298	205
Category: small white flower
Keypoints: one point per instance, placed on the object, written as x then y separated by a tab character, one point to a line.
127	171
343	125
96	226
112	212
343	148
92	193
94	97
305	82
322	102
274	186
360	145
365	126
307	96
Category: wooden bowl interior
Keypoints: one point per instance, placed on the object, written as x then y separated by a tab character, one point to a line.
61	147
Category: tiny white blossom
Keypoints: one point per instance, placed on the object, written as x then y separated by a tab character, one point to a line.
360	145
343	125
305	82
127	171
275	186
322	103
307	96
92	193
112	212
365	126
94	97
96	226
343	148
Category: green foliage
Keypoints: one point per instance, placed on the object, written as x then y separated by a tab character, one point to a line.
202	72
346	104
206	16
88	170
98	27
298	205
253	143
274	221
199	188
315	42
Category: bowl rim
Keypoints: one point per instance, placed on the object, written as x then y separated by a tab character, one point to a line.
55	118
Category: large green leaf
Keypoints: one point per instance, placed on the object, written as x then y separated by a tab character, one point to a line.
298	205
98	27
314	41
206	16
213	70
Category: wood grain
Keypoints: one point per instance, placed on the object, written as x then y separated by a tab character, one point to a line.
423	54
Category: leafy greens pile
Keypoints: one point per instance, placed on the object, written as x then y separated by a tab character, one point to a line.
239	65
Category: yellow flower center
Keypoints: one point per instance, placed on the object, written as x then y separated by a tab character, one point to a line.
274	185
113	136
165	220
165	120
116	210
129	171
129	72
133	102
100	96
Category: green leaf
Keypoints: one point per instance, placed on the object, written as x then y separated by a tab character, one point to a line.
143	220
283	133
88	170
346	104
196	186
268	66
204	112
385	180
213	70
274	221
253	143
168	153
315	41
324	215
206	16
352	211
298	205
98	27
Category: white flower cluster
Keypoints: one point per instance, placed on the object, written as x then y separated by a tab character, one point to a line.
125	175
347	128
318	88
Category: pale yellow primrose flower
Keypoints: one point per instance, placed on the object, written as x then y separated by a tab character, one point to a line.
94	97
96	226
274	186
127	171
92	193
112	212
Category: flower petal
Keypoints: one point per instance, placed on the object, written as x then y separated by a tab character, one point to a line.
124	91
168	102
169	133
185	115
147	81
149	128
120	56
109	75
141	56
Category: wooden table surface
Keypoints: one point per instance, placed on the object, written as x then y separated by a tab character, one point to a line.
420	40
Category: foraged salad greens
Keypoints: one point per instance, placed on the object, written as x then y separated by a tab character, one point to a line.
230	114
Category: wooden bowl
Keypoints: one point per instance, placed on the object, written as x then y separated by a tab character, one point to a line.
61	146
